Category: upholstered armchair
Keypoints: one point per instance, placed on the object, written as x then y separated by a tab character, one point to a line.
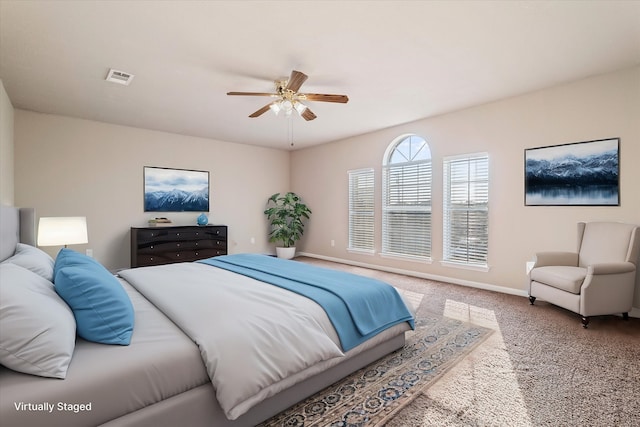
596	280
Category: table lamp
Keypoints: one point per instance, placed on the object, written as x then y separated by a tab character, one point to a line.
57	231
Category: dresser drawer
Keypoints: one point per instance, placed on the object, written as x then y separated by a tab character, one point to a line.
182	245
164	245
147	259
163	234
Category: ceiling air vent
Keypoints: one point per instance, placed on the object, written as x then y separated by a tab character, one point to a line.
119	77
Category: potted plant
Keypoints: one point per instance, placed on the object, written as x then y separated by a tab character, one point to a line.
286	214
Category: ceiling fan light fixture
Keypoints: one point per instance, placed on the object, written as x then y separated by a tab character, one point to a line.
287	106
300	107
275	107
288	98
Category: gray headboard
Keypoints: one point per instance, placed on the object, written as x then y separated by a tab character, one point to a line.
16	225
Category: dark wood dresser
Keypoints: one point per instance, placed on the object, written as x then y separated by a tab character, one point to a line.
165	245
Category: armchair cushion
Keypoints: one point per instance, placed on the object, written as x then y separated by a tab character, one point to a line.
568	279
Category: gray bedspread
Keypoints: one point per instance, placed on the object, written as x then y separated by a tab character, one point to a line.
251	335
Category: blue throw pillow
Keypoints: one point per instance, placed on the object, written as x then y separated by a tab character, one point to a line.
100	305
69	258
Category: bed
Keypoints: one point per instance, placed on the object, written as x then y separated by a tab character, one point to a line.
161	376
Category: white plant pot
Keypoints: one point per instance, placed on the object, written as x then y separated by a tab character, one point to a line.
286	253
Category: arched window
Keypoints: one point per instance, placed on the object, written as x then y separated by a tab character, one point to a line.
406	198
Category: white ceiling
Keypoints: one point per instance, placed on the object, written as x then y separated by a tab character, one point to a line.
397	61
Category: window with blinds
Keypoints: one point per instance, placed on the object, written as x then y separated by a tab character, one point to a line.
466	209
406	199
361	210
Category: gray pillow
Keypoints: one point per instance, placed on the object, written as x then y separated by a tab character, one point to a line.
33	259
37	328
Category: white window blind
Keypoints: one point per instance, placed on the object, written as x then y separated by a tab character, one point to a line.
361	210
406	199
466	209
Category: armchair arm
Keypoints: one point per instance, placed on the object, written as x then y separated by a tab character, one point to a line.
608	288
556	258
610	268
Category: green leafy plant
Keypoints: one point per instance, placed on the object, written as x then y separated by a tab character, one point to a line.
286	214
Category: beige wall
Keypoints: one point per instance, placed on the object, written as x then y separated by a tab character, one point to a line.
69	167
6	148
596	108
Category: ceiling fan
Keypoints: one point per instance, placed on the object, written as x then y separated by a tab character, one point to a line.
288	98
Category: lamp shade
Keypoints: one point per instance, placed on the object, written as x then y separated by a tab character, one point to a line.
58	231
300	107
275	107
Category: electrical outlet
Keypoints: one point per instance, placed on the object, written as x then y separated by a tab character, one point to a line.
333	243
529	266
253	240
89	253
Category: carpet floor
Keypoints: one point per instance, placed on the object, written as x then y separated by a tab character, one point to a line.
539	367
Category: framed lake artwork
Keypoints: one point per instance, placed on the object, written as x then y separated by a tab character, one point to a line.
577	174
175	190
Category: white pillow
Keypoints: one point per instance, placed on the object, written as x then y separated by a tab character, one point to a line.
37	328
33	259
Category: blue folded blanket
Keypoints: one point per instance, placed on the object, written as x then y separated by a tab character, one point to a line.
359	307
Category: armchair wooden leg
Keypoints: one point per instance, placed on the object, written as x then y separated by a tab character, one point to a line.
532	299
585	321
625	316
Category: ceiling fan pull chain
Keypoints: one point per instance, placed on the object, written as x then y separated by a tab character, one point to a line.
290	130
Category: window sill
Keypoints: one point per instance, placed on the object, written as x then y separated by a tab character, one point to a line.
361	251
474	267
423	260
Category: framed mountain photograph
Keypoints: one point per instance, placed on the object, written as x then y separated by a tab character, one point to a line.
175	190
577	174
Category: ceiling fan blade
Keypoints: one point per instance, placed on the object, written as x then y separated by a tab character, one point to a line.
295	80
252	93
308	115
343	99
261	111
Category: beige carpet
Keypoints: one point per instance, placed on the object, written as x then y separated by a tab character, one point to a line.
538	368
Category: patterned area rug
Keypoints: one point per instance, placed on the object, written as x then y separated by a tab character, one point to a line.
372	395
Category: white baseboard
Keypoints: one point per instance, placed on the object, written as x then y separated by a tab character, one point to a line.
635	312
469	283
